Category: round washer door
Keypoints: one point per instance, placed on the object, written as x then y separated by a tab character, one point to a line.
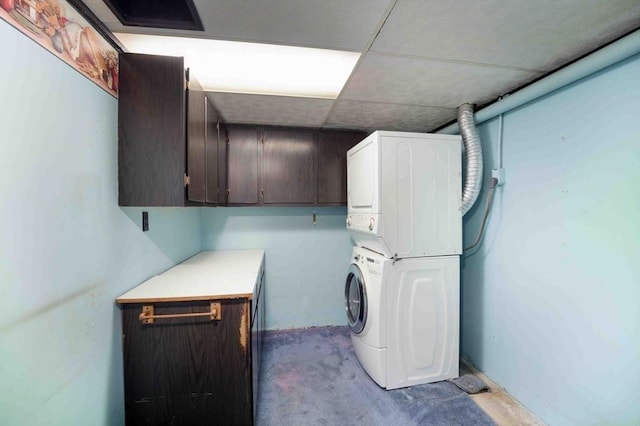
355	299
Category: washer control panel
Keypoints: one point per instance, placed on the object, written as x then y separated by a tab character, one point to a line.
373	266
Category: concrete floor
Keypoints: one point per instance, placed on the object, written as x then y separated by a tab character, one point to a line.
498	404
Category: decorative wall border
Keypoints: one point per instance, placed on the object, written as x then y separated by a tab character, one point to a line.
61	28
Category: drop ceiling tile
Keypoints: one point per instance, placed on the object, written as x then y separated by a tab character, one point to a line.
276	110
537	35
332	24
384	116
405	80
335	24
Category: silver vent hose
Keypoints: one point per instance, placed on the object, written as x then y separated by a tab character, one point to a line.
473	149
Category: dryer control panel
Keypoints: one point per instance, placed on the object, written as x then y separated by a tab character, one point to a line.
368	223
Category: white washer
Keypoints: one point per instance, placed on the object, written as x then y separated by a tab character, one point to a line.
404	317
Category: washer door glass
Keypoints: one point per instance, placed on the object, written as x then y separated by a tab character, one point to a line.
355	299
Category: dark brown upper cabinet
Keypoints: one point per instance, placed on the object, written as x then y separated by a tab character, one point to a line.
331	153
287	166
242	165
173	149
216	157
162	145
270	165
196	146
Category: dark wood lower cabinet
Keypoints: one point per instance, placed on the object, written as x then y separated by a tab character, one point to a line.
192	370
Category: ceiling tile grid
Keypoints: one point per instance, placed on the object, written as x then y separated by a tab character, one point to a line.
420	58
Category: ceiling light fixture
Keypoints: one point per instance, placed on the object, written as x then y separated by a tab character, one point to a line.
264	69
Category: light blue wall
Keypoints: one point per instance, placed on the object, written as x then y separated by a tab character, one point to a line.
66	249
551	302
306	264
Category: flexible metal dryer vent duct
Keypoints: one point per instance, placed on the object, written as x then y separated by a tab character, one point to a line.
473	149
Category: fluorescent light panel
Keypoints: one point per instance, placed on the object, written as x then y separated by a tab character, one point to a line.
265	69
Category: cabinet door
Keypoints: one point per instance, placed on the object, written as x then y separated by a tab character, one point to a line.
223	158
332	164
196	165
212	152
151	131
187	371
242	154
287	166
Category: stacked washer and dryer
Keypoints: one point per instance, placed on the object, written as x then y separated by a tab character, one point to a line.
403	285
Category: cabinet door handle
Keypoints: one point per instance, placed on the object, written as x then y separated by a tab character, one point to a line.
147	316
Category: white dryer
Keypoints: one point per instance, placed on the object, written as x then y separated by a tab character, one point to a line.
404	317
404	194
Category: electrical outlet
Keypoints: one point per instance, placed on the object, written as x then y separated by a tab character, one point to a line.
498	174
145	221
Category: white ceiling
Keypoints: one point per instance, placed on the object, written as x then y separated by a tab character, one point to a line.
420	58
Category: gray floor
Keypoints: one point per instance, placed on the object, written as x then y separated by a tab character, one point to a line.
312	377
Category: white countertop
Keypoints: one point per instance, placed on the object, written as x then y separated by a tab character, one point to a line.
207	275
